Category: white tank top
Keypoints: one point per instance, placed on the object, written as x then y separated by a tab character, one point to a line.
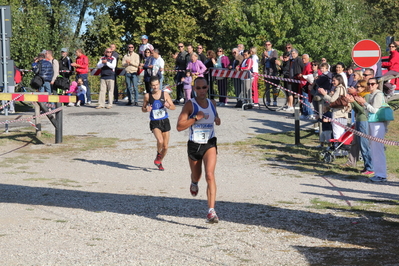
203	130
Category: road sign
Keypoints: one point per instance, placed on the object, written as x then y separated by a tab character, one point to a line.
366	53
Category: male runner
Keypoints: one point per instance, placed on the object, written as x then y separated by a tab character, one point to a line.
199	115
156	103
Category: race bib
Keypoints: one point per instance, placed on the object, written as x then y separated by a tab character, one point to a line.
158	114
201	135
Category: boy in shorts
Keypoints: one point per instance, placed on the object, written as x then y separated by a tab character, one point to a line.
156	103
199	116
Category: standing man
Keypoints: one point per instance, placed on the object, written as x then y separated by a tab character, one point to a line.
116	55
268	61
131	62
55	64
180	66
82	69
44	69
156	103
201	55
307	112
199	115
65	64
144	45
158	68
240	48
190	51
296	67
107	64
235	64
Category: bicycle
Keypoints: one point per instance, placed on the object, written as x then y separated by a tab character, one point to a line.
277	99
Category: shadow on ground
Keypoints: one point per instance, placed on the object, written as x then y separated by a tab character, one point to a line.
369	239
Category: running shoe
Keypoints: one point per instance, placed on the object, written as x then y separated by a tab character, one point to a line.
157	160
378	179
367	172
212	217
160	167
193	189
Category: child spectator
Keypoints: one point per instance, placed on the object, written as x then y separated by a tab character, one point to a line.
326	127
72	90
187	80
81	93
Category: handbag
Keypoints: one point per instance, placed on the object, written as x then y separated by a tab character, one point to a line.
341	102
61	83
36	82
384	113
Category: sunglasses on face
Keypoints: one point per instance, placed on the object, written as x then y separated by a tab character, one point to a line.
358	86
180	46
365	75
203	87
268	44
287	47
130	46
199	48
371	84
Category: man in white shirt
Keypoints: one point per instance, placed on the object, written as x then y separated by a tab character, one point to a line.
159	66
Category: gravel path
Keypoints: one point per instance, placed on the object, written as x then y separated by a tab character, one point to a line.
112	206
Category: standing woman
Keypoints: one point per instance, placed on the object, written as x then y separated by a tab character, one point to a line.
210	62
222	61
377	129
361	125
255	70
393	69
196	67
339	69
339	114
148	67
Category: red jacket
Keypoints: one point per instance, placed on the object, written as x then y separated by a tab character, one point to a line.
83	62
246	64
393	63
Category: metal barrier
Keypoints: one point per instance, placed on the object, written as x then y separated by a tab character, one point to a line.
242	82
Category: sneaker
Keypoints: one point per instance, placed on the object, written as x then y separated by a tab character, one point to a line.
11	112
367	172
108	107
136	104
303	117
157	160
290	109
226	104
126	98
311	117
129	103
71	104
274	103
268	104
99	107
78	104
221	104
193	189
218	104
160	167
378	179
212	217
256	104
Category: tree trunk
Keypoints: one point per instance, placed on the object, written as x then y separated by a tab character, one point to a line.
82	14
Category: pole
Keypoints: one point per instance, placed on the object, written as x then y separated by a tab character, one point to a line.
297	126
58	128
3	44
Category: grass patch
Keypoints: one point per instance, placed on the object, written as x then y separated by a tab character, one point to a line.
16	140
65	182
278	150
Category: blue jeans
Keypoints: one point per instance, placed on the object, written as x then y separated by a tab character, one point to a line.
363	126
131	83
86	83
46	87
306	107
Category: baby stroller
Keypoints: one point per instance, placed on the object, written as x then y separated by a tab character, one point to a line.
340	150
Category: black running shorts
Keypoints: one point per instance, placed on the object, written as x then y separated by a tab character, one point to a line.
163	125
196	151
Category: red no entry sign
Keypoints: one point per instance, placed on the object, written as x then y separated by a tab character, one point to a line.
366	53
